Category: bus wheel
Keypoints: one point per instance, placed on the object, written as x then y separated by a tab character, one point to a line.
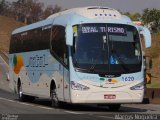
21	96
54	99
114	107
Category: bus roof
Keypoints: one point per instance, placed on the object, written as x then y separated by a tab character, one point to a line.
92	12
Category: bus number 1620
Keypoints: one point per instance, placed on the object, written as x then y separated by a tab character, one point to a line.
128	78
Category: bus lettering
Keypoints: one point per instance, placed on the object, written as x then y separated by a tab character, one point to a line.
116	30
89	30
37	61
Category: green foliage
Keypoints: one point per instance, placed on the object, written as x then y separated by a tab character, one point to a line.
151	17
134	17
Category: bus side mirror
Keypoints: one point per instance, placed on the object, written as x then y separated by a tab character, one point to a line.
146	34
148	78
69	35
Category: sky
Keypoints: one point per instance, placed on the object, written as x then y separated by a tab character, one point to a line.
122	5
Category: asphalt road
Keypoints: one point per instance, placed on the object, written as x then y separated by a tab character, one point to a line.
40	109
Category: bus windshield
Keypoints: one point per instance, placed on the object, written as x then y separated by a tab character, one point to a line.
106	48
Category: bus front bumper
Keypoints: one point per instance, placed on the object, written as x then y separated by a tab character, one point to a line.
107	97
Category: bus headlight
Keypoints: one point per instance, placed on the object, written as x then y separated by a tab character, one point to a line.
77	86
139	86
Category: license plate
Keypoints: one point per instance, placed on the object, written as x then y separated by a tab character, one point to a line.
110	96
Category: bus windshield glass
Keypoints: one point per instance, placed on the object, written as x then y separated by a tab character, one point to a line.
106	48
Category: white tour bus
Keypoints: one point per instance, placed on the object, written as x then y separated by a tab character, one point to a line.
80	56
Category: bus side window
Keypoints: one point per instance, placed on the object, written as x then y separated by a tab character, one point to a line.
58	44
12	45
17	43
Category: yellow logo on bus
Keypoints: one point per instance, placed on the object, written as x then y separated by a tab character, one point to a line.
114	81
18	63
109	80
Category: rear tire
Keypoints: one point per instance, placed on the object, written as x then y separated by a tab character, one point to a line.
21	96
114	107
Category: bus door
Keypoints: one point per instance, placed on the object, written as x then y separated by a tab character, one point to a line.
66	76
58	51
60	82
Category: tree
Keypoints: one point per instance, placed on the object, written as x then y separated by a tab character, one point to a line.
27	11
50	10
134	17
146	16
2	6
152	17
36	11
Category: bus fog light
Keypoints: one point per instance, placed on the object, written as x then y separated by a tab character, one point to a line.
139	86
77	86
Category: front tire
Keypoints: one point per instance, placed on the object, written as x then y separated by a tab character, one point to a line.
114	107
54	99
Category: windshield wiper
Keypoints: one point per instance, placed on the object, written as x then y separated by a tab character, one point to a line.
104	41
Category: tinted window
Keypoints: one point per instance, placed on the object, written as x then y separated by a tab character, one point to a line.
36	39
15	44
58	44
106	48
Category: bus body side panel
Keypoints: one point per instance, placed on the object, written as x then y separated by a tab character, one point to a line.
66	86
36	70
